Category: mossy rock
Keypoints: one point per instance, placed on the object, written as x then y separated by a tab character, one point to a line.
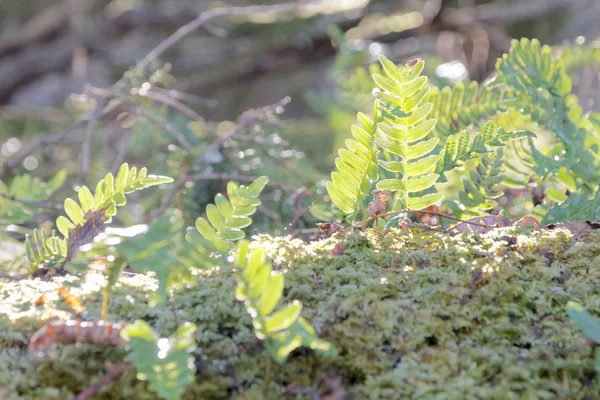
421	316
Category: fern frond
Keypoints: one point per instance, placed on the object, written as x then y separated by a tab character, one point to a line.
544	90
226	218
404	133
23	189
582	206
356	165
110	193
459	148
463	105
481	187
261	290
161	250
42	250
164	362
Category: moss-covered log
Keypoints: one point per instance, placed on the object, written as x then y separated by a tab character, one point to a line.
431	316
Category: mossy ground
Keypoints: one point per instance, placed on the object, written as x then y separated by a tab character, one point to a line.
426	316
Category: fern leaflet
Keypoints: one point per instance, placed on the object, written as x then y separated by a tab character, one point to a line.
403	134
261	289
164	362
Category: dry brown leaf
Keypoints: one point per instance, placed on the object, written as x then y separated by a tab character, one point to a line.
338	250
70	332
378	205
72	301
330	228
85	233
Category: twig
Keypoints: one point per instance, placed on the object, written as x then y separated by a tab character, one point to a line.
52	139
241	178
171	102
206	16
86	154
298	210
269	213
180	137
248	117
396	212
113	372
183	178
183	96
38	204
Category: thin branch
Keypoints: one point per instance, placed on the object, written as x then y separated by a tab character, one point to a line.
183	178
206	16
173	103
86	153
241	178
248	117
396	212
55	138
113	372
38	204
180	137
183	96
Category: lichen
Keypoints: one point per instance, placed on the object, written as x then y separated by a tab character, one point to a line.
426	315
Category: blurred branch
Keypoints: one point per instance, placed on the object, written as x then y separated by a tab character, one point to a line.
505	12
39	204
113	372
212	13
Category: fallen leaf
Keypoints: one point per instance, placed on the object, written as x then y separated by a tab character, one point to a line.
330	228
102	333
72	301
338	250
40	301
378	205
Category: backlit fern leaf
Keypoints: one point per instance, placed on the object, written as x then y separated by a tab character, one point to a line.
356	165
26	189
543	89
226	218
261	289
110	192
464	105
482	186
460	148
165	363
404	132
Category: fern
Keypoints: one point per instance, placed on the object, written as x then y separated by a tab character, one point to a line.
226	218
460	148
580	206
161	251
481	188
17	201
261	289
544	93
110	193
403	134
356	165
463	105
164	362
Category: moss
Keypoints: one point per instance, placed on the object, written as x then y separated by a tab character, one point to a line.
429	316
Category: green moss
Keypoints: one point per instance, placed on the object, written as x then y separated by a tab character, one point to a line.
429	316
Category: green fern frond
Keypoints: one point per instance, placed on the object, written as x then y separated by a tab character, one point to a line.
356	165
404	133
110	193
459	148
261	290
23	189
463	105
226	218
481	187
165	363
162	250
582	206
42	250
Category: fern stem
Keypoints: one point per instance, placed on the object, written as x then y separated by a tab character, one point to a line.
268	376
105	301
406	210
